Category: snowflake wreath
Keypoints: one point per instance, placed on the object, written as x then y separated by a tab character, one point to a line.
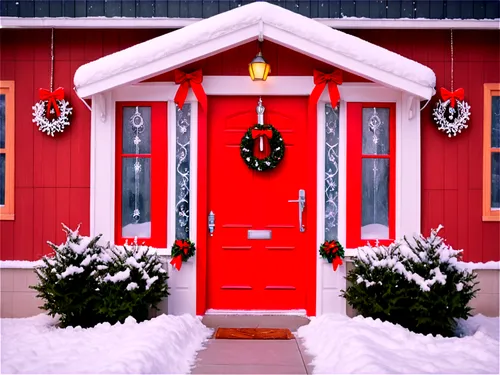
333	252
181	252
57	109
276	144
449	119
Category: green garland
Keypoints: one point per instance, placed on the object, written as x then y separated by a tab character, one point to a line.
277	149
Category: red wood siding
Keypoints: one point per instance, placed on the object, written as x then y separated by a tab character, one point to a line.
52	174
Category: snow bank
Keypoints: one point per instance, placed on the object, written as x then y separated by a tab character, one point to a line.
166	344
363	345
242	18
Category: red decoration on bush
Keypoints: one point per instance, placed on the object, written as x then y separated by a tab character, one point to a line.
333	252
182	250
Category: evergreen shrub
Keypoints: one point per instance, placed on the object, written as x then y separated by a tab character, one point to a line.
416	282
84	283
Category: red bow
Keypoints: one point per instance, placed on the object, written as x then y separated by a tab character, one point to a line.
262	133
332	247
51	97
458	94
320	80
177	262
185	80
337	262
183	245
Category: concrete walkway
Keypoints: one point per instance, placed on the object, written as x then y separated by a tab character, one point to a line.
254	356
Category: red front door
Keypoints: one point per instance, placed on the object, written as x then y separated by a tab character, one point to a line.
260	274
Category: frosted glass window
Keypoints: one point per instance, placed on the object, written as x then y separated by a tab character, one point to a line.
136	130
375	131
182	158
495	180
136	197
2	120
331	172
375	199
2	179
495	122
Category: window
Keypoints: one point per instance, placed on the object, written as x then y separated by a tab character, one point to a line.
331	176
6	150
371	167
491	153
141	173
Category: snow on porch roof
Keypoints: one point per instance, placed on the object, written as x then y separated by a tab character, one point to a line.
241	25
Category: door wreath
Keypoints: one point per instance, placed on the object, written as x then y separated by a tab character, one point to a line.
263	134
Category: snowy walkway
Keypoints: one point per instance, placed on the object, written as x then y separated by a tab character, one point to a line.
253	356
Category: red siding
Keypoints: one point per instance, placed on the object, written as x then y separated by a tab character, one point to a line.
52	174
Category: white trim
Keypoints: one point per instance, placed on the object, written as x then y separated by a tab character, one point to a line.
102	168
171	182
242	85
174	23
299	312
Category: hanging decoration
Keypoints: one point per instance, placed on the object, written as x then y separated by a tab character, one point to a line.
451	112
51	113
182	250
186	80
262	147
333	252
137	124
321	80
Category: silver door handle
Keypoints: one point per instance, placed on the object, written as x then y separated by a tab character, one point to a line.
302	204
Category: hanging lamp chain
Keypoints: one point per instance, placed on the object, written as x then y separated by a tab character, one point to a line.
451	41
52	62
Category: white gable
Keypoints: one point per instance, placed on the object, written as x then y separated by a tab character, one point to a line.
244	24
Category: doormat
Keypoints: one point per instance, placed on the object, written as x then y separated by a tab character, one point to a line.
254	333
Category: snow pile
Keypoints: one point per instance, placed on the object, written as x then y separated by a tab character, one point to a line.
363	345
247	19
166	344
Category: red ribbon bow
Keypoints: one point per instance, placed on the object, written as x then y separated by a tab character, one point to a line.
320	80
183	245
177	262
51	97
337	262
332	248
256	133
185	80
458	94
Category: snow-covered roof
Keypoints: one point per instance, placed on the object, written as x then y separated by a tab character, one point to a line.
244	24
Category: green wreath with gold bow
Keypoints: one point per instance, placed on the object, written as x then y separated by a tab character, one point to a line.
276	144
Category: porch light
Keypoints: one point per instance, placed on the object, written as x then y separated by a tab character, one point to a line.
259	68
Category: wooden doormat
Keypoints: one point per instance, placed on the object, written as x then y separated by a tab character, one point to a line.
254	333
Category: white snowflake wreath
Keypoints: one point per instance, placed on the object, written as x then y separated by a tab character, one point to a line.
450	123
56	124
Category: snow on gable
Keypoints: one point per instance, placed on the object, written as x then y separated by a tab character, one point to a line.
244	24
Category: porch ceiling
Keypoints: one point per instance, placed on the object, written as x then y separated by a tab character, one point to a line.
247	23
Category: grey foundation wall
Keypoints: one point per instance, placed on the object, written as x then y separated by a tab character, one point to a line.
17	300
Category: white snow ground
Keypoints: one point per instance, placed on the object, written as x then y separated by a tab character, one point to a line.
362	345
166	344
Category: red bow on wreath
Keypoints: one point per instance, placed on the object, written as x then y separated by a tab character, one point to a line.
266	149
333	247
177	262
58	94
183	245
321	80
458	94
337	261
185	80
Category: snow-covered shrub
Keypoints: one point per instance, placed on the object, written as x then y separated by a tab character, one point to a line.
67	283
415	282
86	284
131	281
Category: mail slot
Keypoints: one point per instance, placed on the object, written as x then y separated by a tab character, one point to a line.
259	234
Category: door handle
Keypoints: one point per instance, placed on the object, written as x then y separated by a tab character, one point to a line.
302	204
